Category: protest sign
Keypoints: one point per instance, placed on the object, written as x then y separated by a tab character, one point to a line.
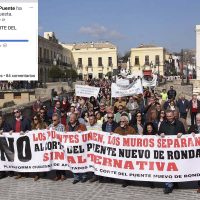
122	82
86	91
152	83
122	91
132	157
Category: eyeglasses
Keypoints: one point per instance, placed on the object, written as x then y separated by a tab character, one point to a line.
35	118
42	112
110	117
16	112
54	120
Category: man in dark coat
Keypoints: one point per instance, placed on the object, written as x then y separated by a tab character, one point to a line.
19	125
110	125
171	94
171	126
183	106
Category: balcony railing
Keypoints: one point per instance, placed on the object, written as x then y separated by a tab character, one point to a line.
45	61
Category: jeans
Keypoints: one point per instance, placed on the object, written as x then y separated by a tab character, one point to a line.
79	176
193	118
169	185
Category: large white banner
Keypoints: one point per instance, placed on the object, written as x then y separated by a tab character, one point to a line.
132	157
151	83
122	82
122	91
86	91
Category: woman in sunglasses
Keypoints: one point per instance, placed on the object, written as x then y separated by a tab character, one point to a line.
38	124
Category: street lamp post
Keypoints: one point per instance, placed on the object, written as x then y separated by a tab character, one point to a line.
129	64
158	75
187	78
182	55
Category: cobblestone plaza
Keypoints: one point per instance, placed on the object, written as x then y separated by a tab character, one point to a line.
47	189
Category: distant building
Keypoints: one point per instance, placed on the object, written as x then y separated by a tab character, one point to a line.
93	60
148	59
198	51
51	53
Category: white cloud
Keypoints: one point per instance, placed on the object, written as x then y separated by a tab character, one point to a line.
100	31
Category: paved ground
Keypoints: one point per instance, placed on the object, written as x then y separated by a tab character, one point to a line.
45	189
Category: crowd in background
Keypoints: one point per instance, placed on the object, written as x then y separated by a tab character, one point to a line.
149	113
16	85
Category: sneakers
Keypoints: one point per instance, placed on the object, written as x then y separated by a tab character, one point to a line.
167	190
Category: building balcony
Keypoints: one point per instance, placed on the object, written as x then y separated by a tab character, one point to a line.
45	61
79	66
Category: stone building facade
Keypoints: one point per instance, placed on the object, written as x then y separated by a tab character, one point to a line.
147	58
93	60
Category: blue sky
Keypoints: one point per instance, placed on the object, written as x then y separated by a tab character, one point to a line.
126	23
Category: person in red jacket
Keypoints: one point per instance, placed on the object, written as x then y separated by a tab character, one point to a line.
194	106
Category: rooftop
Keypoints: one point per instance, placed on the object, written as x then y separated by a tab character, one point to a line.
97	45
146	46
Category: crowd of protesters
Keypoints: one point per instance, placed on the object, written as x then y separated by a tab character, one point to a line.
149	113
16	85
